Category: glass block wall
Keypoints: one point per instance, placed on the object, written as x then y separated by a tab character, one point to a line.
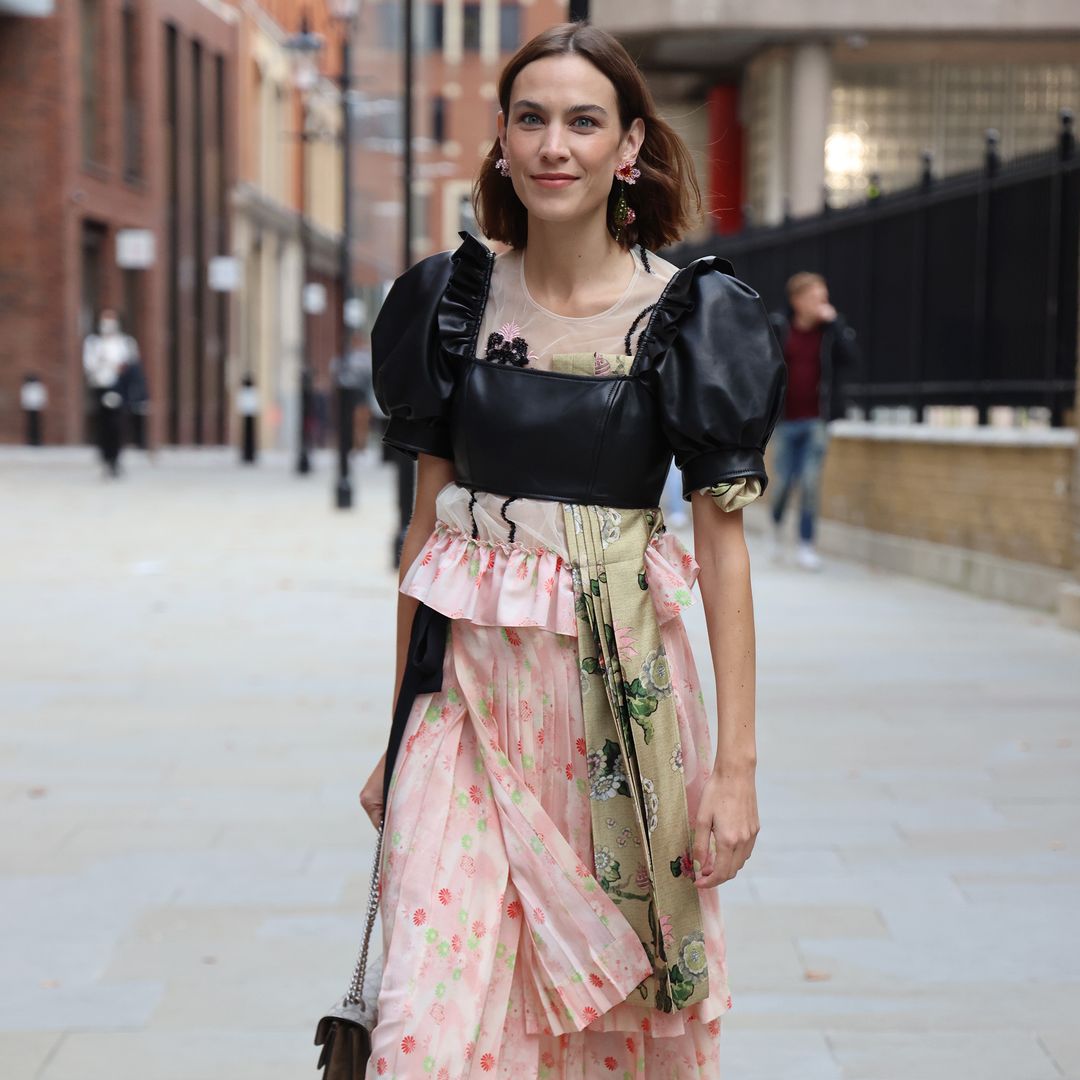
884	115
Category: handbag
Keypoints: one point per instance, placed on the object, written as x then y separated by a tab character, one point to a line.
344	1033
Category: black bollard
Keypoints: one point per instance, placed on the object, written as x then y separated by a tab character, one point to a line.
248	404
33	397
346	404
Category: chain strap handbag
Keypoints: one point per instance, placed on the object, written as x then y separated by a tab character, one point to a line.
344	1033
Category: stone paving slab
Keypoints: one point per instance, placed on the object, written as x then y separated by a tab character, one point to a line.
193	687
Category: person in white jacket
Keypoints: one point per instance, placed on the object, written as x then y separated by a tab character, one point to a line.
106	355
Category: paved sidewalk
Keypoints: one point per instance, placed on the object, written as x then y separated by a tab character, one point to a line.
194	682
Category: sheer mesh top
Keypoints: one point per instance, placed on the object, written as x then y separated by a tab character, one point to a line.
591	344
516	329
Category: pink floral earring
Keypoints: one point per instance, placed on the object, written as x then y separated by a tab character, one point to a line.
624	212
503	166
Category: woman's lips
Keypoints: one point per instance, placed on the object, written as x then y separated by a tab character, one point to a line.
554	180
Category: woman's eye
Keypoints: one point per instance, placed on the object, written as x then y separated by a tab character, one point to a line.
587	120
528	118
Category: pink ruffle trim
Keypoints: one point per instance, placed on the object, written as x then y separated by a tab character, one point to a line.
503	584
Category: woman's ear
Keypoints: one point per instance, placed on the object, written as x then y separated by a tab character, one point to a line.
500	132
633	140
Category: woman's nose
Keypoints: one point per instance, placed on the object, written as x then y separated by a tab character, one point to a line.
554	146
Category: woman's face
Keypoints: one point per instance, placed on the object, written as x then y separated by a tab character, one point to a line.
563	138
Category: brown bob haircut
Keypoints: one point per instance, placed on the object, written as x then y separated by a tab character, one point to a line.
666	198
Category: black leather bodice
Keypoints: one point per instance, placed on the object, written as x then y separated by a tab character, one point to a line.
706	384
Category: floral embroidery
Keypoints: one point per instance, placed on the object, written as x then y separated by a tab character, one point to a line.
610	525
507	346
656	673
607	776
653	800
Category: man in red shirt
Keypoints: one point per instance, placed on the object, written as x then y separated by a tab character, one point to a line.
818	346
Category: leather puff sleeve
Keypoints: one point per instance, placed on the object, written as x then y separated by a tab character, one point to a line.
411	375
721	384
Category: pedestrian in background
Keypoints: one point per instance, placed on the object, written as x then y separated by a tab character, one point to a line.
820	353
106	356
136	394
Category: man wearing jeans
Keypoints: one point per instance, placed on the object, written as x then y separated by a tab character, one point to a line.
819	348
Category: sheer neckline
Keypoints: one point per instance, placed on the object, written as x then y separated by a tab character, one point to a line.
577	318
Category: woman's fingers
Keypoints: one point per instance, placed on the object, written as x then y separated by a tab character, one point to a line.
725	858
701	847
371	797
372	807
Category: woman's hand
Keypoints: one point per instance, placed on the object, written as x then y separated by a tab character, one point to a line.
726	827
371	797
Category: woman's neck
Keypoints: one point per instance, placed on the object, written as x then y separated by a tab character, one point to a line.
575	268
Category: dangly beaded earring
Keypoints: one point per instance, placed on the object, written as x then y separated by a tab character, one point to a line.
624	212
503	166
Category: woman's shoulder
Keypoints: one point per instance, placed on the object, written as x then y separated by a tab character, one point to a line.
704	307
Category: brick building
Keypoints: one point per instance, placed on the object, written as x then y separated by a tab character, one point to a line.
116	115
281	174
461	48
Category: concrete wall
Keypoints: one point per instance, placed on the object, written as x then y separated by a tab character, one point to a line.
986	510
791	16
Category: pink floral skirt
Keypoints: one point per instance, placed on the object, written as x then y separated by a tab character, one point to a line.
503	956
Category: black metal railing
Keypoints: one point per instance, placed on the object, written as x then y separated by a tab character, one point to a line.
963	289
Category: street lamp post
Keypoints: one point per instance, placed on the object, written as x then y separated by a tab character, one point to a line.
345	12
305	47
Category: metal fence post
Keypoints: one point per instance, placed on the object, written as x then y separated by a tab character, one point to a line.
1067	138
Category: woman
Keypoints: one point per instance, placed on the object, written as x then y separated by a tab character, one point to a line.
556	824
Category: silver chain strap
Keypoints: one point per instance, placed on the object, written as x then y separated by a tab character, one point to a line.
355	992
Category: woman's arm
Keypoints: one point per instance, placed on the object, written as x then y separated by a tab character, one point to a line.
432	475
728	811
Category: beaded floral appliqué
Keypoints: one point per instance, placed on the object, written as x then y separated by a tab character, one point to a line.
507	346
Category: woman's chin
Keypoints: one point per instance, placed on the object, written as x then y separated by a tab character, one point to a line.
560	216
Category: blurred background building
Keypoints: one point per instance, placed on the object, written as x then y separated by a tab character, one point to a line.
117	138
187	162
159	157
922	158
804	104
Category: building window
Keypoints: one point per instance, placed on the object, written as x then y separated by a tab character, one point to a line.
94	236
438	118
432	28
466	214
198	178
471	27
91	299
378	123
90	73
509	27
421	218
172	219
129	25
390	25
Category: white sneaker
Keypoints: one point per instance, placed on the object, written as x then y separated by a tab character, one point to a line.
806	558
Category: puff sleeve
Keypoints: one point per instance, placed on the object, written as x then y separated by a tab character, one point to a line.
721	385
412	378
